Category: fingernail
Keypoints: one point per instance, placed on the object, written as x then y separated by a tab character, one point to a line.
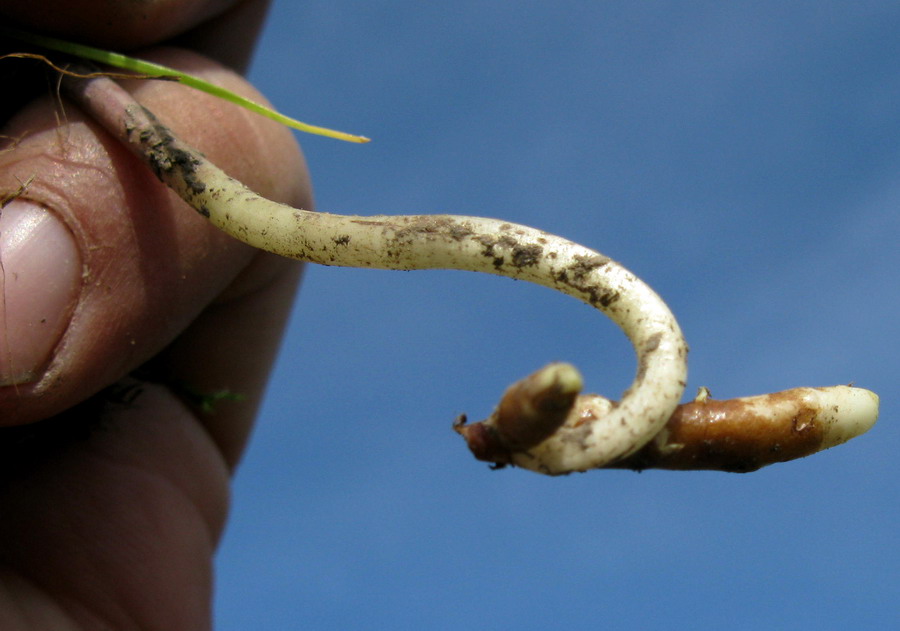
40	281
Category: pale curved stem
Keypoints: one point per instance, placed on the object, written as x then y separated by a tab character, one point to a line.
446	242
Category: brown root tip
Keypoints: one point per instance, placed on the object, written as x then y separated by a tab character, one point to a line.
483	440
738	435
532	409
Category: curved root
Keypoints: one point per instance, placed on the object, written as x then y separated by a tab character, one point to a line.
544	412
541	423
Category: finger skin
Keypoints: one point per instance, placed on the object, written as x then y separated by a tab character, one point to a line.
114	23
114	529
228	38
151	264
112	507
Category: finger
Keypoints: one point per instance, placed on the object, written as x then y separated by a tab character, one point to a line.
229	37
112	527
119	23
145	266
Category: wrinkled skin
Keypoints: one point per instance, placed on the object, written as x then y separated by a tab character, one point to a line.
113	503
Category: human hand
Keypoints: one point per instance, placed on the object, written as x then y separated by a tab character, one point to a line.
112	503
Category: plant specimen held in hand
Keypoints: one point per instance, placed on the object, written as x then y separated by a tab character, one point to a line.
543	423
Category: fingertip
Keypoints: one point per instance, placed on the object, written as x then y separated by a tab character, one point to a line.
40	278
151	265
116	24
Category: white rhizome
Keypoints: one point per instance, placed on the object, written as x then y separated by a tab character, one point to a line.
542	423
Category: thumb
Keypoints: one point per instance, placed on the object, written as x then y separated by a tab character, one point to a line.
102	266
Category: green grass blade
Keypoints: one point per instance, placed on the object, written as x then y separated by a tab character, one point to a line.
133	64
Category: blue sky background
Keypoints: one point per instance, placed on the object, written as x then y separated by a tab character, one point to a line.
741	157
